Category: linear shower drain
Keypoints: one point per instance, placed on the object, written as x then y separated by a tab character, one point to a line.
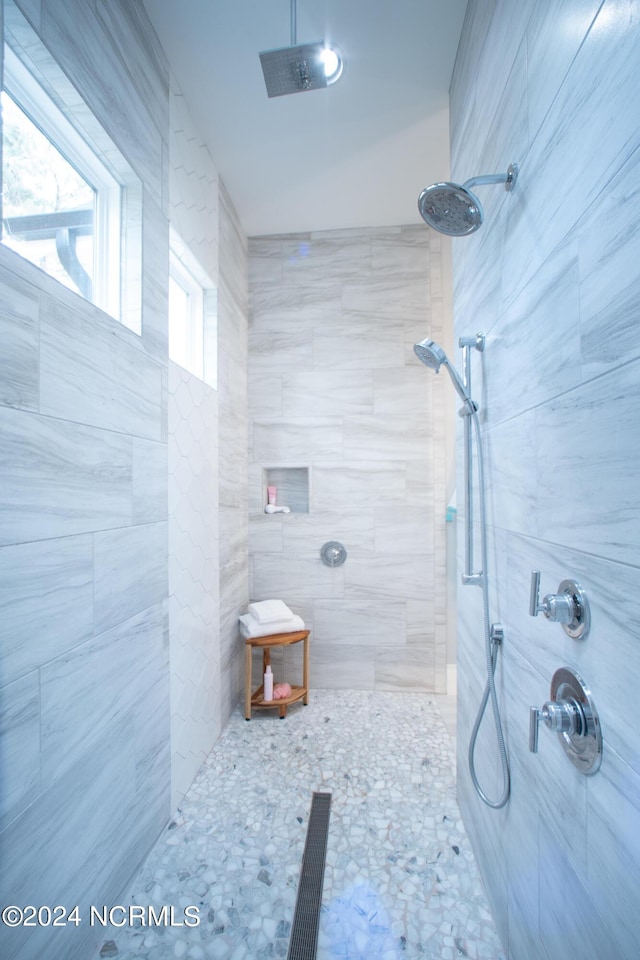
306	918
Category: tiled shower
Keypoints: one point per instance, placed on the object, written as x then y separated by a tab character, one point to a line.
110	550
552	280
337	396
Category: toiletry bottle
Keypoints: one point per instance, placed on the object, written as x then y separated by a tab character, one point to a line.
268	685
271	495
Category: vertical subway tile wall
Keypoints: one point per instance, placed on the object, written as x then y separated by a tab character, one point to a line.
552	278
336	390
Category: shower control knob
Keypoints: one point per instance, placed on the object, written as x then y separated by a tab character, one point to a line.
569	606
560	716
558	607
572	715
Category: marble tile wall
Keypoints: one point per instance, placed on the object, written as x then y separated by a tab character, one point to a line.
194	568
84	735
193	186
194	577
233	313
552	280
334	387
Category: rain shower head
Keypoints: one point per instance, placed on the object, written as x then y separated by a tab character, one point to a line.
434	357
300	67
452	208
296	69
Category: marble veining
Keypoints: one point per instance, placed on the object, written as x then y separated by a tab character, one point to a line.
551	279
335	387
61	478
400	881
194	576
19	304
233	319
46	593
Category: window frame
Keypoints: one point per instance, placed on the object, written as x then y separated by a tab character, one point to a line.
33	100
187	265
180	274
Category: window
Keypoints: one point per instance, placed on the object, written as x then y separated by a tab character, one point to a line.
192	313
60	204
186	318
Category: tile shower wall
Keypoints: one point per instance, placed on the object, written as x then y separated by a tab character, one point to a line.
84	734
233	312
552	278
335	388
194	574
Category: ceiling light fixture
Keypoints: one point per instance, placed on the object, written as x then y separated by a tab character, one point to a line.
296	68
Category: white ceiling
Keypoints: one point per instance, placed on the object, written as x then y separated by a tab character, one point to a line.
356	154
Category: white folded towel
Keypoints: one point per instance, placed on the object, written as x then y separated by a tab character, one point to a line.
269	611
249	626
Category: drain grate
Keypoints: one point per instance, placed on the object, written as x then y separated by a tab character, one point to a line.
306	918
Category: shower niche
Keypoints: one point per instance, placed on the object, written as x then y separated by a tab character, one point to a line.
292	487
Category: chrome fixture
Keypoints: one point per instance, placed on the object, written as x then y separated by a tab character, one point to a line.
569	606
333	554
453	209
433	356
572	714
296	68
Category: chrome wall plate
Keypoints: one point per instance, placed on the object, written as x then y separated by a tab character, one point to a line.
333	554
583	747
581	622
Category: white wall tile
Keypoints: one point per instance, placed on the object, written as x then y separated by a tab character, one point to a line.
121	104
608	246
364	482
90	376
403	669
386	437
94	686
326	393
130	572
19	746
333	320
359	344
297	439
550	279
19	309
149	479
85	726
46	591
358	621
61	478
295	577
613	854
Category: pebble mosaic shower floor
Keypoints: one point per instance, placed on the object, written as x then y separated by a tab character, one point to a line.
400	882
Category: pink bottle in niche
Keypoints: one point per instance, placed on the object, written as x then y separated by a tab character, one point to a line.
271	495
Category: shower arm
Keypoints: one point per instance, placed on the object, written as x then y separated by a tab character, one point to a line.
508	178
469	578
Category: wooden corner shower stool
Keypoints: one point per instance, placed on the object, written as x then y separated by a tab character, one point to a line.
297	693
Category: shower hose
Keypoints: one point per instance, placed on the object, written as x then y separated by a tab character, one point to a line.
491	652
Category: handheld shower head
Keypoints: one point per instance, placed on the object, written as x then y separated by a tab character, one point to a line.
434	357
452	208
430	353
